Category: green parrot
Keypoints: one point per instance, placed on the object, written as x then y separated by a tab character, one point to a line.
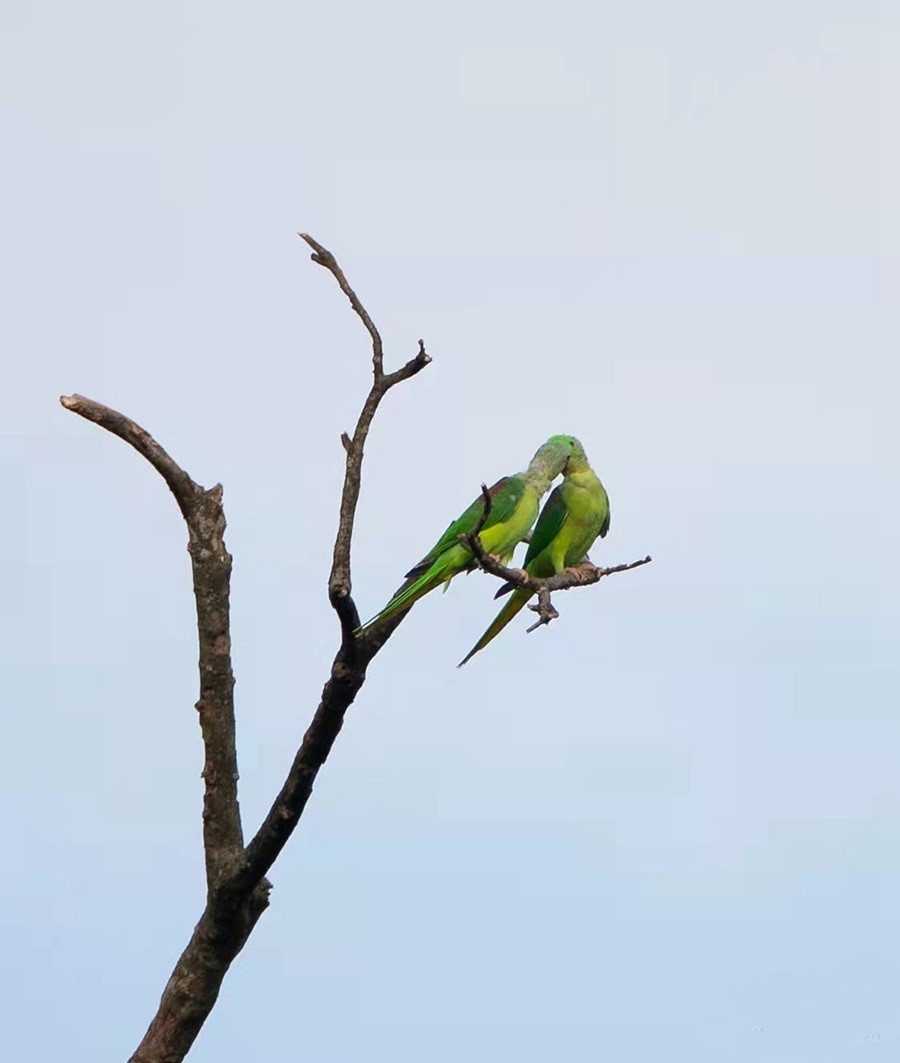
514	506
575	514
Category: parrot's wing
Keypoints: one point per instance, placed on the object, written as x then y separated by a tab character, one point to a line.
549	525
506	494
604	527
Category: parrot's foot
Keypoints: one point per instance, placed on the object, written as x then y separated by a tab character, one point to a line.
574	572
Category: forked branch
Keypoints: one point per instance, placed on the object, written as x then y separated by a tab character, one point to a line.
237	889
339	582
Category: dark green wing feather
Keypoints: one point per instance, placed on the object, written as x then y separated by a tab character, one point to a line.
604	527
506	494
552	518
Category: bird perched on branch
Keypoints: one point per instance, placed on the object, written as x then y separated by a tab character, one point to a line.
514	507
575	514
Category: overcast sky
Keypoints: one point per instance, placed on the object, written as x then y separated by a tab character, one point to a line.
665	828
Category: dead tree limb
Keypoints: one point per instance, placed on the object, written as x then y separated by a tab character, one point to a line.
237	889
223	839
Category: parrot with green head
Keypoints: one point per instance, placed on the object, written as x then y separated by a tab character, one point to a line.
575	514
514	507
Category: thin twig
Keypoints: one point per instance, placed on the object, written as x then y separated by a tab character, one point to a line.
487	503
544	609
323	257
582	575
339	582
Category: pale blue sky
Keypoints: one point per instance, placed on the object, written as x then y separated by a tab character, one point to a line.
667	827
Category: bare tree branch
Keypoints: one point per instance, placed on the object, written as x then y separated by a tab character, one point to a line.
582	575
211	564
544	609
348	671
485	513
180	484
237	890
323	257
339	582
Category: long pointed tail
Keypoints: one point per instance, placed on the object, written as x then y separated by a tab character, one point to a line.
515	603
407	595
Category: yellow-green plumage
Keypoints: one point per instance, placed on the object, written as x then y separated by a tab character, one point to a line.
514	506
575	514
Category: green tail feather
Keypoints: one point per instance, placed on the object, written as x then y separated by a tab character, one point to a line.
515	603
407	596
